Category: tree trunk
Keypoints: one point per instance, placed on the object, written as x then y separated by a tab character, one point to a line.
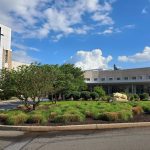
34	104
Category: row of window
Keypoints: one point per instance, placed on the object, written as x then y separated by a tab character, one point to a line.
118	78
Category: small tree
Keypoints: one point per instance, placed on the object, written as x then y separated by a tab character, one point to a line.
100	91
94	95
85	95
6	84
144	96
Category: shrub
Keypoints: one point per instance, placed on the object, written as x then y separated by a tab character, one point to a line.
24	108
106	98
85	95
137	110
94	95
92	113
17	119
52	115
36	118
125	115
76	95
145	106
66	118
115	116
144	96
133	97
100	91
110	116
3	118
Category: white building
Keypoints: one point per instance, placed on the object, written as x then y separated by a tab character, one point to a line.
5	47
136	80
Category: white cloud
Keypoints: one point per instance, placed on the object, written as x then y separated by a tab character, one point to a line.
23	47
110	30
22	56
144	11
39	18
93	59
129	26
143	56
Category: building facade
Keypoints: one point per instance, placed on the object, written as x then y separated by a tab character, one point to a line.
128	80
5	47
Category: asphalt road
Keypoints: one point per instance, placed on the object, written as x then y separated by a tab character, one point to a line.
13	104
123	139
9	104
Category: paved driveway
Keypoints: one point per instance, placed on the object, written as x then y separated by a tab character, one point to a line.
123	139
9	104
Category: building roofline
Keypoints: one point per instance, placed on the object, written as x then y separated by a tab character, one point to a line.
117	70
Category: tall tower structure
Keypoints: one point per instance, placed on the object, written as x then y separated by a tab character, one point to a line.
5	47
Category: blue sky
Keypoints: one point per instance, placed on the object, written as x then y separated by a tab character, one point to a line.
89	33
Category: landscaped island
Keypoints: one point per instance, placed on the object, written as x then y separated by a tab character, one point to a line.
76	112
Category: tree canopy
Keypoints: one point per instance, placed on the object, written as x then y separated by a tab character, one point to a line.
36	81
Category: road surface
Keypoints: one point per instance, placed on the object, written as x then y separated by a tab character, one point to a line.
9	104
122	139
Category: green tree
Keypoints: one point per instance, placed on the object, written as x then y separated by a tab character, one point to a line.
68	78
6	84
100	91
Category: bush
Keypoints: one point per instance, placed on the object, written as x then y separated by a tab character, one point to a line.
67	118
6	94
3	118
137	110
145	106
106	98
133	97
36	118
125	115
53	115
85	95
100	91
18	119
144	96
94	95
92	113
116	116
76	95
109	116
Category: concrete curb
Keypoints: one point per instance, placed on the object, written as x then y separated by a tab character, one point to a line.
75	127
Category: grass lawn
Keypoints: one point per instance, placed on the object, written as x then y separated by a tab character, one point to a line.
66	112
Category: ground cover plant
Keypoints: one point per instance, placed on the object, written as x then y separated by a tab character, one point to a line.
75	111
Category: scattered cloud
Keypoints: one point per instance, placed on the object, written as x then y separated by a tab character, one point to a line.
93	59
111	30
23	47
143	56
22	56
144	10
54	18
129	26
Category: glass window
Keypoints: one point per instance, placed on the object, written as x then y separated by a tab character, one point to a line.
6	56
126	78
110	79
87	79
103	79
95	79
133	78
118	78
